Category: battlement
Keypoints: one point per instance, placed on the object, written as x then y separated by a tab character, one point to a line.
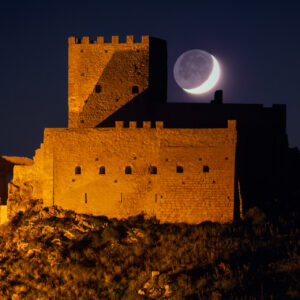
115	39
133	124
231	124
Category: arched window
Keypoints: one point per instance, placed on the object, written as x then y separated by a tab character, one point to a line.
135	89
102	170
98	88
153	170
205	169
128	170
179	169
77	170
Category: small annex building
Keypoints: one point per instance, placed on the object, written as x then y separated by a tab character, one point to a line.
128	151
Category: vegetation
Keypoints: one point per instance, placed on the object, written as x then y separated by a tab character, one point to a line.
51	253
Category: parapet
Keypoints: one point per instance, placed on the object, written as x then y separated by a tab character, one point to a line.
133	124
114	40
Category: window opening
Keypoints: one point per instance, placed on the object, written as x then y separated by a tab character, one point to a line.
179	169
102	170
135	89
98	88
77	170
205	169
128	170
153	170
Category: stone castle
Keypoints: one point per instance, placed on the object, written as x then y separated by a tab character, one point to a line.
127	151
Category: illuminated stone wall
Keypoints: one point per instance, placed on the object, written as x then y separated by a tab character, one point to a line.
203	191
103	77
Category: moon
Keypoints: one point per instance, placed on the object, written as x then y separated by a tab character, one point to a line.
196	71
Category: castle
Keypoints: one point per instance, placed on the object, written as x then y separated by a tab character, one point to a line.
127	151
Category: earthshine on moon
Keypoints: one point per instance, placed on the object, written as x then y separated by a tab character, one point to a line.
196	71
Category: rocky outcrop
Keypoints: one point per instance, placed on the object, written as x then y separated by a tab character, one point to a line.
158	286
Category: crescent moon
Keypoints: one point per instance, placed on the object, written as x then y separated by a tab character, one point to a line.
211	80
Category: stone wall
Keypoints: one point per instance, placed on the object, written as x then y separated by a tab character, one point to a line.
202	190
103	77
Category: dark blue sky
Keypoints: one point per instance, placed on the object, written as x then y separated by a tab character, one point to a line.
256	42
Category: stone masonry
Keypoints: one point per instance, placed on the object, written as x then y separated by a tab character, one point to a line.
127	167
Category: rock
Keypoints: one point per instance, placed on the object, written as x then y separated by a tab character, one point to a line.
69	235
168	291
141	292
56	242
21	246
157	286
154	273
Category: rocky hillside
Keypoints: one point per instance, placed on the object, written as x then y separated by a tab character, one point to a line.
51	253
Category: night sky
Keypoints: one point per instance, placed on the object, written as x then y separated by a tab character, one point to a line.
256	42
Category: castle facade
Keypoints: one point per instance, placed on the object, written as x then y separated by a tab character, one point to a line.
127	151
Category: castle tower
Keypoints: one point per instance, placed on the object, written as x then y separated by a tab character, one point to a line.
104	77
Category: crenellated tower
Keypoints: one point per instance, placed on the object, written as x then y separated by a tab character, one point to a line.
104	77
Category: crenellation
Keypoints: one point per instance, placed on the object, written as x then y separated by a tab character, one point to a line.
71	40
115	39
231	124
86	40
132	124
129	39
145	39
100	40
159	124
147	124
119	124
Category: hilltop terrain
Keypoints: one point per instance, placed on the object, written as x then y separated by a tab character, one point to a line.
51	253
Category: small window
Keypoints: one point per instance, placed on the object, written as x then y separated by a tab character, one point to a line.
77	170
102	170
205	169
179	169
98	88
135	89
153	170
128	170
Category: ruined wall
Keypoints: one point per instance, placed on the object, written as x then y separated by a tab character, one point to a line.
103	77
203	191
30	182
